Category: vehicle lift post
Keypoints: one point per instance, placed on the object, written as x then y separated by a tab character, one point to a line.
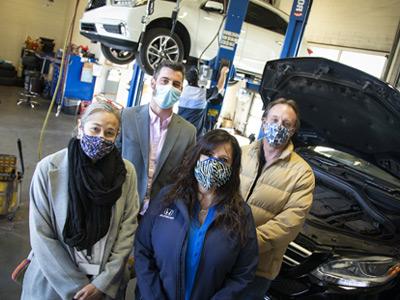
297	24
294	33
136	86
235	16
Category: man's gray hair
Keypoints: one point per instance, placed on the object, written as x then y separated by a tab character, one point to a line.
288	102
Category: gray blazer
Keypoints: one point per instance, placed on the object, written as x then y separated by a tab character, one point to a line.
133	142
53	273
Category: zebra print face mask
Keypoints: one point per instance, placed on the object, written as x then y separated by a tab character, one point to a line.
212	172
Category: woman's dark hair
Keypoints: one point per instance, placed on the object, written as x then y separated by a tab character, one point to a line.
232	215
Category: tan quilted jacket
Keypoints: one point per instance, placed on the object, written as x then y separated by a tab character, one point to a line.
280	202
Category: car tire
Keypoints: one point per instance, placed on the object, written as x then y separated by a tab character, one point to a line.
116	56
157	46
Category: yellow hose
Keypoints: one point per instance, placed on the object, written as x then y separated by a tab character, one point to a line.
53	99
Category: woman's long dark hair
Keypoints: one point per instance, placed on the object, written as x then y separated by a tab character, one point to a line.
232	214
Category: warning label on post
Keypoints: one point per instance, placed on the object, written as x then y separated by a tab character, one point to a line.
229	40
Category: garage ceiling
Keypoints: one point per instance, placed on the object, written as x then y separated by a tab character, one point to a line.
362	24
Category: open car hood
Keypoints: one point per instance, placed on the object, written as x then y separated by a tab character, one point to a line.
340	107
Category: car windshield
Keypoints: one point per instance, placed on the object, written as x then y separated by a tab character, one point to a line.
356	163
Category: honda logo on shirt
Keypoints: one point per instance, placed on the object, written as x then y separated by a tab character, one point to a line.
168	213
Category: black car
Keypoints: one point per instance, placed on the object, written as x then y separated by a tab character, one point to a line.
349	247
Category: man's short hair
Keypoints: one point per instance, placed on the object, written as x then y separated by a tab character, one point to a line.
288	102
176	66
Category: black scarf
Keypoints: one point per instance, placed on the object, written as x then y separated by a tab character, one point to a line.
93	189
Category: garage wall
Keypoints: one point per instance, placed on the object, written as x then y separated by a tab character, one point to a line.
363	24
20	18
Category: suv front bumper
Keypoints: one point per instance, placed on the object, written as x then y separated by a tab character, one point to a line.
110	41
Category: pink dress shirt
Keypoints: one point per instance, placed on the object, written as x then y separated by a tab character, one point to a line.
158	133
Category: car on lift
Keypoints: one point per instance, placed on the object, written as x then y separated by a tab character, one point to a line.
117	26
349	247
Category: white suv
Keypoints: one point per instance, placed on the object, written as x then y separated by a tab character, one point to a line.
116	24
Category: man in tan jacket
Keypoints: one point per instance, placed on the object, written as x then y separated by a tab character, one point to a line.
278	185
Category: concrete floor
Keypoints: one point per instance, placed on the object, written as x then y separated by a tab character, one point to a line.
24	123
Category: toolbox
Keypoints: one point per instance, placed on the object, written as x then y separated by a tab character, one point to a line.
10	183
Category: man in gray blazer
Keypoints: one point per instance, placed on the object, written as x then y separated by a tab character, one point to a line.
152	137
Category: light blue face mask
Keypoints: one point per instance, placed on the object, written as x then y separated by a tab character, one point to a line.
166	96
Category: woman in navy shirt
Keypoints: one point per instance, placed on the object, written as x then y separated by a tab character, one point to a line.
197	240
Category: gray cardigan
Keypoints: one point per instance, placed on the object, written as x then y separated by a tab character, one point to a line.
53	273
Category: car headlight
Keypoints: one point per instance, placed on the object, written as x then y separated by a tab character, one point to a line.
358	272
131	3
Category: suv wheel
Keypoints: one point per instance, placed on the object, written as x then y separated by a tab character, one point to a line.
157	46
117	56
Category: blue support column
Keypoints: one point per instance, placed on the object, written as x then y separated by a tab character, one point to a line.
136	87
230	36
297	24
294	33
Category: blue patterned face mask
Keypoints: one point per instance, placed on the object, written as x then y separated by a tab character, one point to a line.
212	172
275	134
96	147
166	96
